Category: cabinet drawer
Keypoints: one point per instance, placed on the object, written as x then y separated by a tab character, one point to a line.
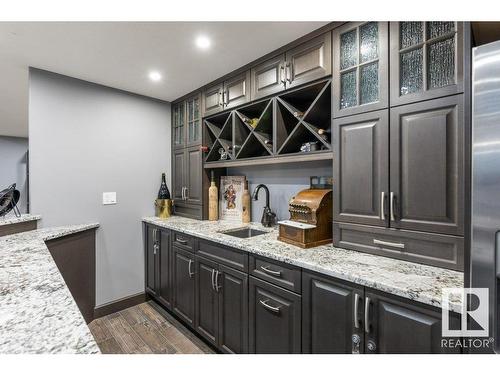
192	211
183	241
278	273
419	247
224	255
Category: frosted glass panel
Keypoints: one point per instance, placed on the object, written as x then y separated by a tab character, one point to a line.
435	29
441	64
348	49
196	109
348	89
410	33
190	110
195	129
368	42
368	83
411	77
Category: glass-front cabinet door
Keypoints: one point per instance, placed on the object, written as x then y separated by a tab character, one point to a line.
178	120
427	60
360	67
193	120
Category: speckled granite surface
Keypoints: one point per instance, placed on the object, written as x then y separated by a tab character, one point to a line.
37	312
410	280
10	218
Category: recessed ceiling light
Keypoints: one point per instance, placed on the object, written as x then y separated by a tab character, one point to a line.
202	42
155	76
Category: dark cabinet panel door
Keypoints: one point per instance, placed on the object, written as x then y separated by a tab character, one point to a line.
178	166
309	61
268	77
237	90
212	99
151	259
164	277
361	166
427	60
183	284
427	166
361	68
275	319
193	170
207	304
232	287
332	313
399	327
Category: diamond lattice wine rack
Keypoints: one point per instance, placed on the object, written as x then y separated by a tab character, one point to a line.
295	125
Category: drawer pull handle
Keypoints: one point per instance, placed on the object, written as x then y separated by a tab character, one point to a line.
270	272
273	309
391	244
182	241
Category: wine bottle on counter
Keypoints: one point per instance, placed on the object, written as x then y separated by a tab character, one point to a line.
163	193
213	200
245	204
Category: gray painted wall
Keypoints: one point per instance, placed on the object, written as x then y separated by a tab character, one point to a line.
13	164
87	139
283	181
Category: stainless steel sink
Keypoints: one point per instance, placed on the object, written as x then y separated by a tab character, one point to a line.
243	232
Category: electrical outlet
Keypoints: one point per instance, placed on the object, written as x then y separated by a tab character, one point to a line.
109	198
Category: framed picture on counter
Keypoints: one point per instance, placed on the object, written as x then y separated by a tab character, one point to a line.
231	192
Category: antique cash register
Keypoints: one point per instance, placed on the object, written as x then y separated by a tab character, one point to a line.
310	221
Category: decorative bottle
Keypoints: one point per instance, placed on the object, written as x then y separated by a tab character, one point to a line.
163	193
246	217
213	200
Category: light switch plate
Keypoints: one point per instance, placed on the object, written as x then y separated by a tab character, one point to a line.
109	197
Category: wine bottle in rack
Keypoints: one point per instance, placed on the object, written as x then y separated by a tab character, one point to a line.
325	134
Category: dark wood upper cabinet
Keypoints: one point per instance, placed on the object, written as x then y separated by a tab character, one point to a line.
332	312
183	284
237	90
232	287
212	99
207	300
193	120
309	61
179	169
427	166
193	175
268	77
361	168
427	60
398	327
360	74
179	124
275	319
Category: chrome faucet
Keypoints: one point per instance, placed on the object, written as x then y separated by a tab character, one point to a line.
268	217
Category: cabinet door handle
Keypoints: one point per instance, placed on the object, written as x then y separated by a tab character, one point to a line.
189	269
187	195
182	241
289	72
217	286
356	310
270	272
225	96
155	249
282	74
367	314
391	203
273	309
387	243
382	206
213	282
220	99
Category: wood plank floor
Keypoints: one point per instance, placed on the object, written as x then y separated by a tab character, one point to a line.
145	328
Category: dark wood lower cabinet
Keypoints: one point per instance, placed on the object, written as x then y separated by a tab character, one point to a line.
398	327
275	319
332	313
233	310
238	313
183	284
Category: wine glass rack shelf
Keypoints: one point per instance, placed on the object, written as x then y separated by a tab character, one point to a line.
292	126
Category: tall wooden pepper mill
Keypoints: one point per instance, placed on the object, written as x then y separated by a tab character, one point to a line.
213	200
246	204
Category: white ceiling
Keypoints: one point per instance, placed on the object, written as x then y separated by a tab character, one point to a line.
121	54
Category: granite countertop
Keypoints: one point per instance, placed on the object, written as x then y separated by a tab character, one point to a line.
37	312
409	280
10	218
